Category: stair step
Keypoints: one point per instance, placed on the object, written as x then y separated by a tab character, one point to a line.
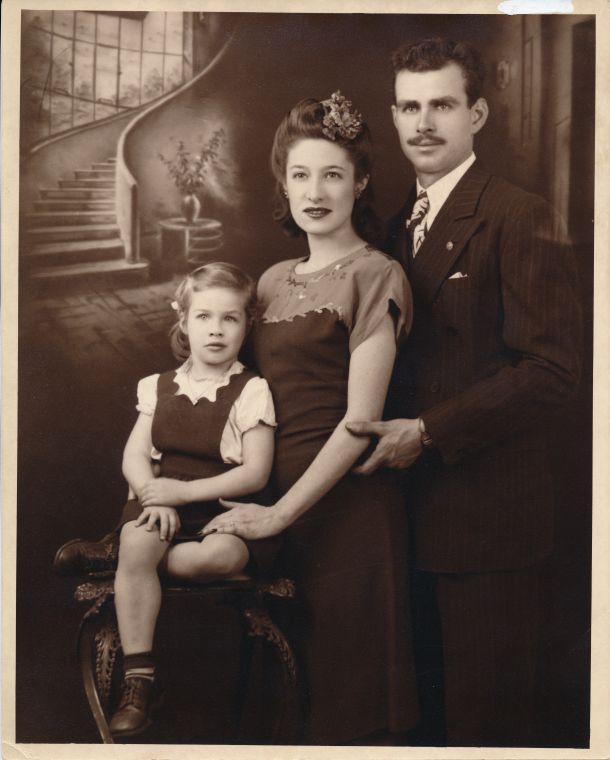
76	252
74	205
57	218
94	174
111	159
102	273
82	193
103	166
73	232
86	183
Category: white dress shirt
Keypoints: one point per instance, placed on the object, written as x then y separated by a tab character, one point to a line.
439	191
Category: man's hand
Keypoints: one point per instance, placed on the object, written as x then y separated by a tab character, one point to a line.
398	446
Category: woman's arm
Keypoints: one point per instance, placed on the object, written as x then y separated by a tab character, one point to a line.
369	376
243	479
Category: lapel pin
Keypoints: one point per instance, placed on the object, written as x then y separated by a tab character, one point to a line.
449	246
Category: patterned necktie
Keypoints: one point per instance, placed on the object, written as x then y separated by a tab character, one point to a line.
416	224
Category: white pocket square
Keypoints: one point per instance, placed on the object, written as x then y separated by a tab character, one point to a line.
457	275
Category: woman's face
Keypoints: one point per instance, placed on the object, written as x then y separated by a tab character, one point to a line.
321	186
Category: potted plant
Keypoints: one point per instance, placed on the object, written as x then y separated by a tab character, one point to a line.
189	172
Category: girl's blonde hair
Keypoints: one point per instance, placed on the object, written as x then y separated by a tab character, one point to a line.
217	274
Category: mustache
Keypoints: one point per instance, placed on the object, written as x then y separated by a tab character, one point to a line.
426	139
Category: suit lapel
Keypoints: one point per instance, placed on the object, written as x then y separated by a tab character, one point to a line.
455	224
403	247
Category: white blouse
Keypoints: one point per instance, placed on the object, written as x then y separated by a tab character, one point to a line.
254	405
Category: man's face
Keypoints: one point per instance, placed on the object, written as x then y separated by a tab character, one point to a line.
434	122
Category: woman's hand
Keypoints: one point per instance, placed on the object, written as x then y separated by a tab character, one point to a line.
166	491
247	521
167	517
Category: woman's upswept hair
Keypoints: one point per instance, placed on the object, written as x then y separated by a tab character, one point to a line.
216	274
305	121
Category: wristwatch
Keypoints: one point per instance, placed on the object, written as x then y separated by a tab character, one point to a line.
425	437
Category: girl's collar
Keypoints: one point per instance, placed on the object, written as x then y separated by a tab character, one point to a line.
203	387
186	369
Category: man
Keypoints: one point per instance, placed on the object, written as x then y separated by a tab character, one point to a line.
494	350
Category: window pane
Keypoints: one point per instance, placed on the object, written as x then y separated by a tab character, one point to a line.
173	72
129	82
152	76
106	75
34	115
102	111
62	66
85	26
131	32
83	69
36	62
173	33
61	112
83	111
63	22
40	19
154	31
107	30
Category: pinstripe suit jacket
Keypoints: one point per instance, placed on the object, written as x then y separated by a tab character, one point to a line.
491	354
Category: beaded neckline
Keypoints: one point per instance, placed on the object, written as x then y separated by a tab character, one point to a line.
335	265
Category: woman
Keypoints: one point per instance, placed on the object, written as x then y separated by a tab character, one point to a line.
326	344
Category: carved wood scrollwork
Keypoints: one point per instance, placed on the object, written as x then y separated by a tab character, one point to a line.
261	625
107	644
283	587
99	592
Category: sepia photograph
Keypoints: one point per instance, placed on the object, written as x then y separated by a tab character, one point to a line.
299	444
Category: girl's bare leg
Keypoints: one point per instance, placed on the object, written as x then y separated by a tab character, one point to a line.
137	590
216	557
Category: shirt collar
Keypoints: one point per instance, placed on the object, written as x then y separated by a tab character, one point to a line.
236	367
439	191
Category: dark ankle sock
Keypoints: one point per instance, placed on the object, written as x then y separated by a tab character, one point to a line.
139	664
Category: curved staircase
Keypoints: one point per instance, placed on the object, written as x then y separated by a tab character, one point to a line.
73	236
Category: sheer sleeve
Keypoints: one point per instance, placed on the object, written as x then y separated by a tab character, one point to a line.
147	394
379	287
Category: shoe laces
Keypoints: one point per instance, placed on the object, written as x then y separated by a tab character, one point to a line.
134	692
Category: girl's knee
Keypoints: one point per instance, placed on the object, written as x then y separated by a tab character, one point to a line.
222	556
139	546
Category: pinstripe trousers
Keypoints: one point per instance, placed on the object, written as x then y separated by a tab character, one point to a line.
477	638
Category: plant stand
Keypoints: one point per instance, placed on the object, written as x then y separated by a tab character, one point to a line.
185	246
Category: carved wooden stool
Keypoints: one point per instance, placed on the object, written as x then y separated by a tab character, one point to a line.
99	643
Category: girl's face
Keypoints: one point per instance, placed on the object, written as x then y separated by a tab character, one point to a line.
321	186
216	325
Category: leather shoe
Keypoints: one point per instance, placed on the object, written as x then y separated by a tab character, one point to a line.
136	703
78	557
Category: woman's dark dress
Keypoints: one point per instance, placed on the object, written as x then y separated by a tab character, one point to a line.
348	552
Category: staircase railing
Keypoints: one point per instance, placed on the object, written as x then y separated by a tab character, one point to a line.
127	201
126	198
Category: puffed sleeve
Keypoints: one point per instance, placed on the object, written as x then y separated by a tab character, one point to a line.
254	405
380	286
147	394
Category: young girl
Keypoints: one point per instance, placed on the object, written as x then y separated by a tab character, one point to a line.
209	425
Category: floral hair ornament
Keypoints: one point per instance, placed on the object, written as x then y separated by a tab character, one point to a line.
339	118
175	306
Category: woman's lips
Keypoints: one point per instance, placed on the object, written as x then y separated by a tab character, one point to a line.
316	212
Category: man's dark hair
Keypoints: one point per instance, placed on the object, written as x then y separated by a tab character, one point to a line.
438	52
